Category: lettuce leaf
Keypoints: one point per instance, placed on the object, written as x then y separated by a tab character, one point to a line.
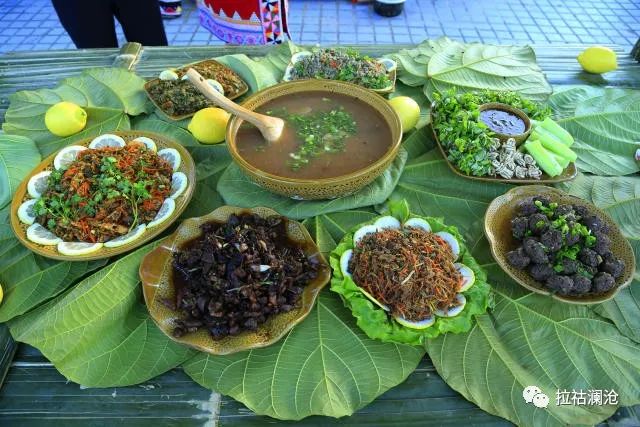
376	323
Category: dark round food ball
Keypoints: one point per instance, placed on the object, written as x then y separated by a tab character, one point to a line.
603	282
552	239
564	210
518	258
538	223
519	227
581	284
592	222
569	266
614	267
603	244
541	272
581	210
560	284
534	250
527	207
571	238
589	257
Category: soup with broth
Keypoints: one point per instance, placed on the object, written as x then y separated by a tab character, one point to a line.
323	137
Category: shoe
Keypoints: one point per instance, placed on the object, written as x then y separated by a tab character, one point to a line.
170	10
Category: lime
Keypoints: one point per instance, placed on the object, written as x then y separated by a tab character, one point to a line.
408	110
168	75
167	208
1	294
172	156
40	235
65	118
26	214
598	60
126	238
148	142
66	156
209	125
178	184
468	276
422	324
38	184
418	223
107	140
216	85
78	248
453	310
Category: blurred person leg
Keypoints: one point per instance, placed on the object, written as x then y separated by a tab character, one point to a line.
170	9
89	23
141	21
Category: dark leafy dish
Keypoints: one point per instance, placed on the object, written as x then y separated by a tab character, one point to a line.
408	278
176	97
237	275
565	247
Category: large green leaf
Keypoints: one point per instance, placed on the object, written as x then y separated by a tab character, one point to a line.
108	95
606	125
324	366
28	279
238	190
624	311
412	63
432	189
211	162
100	334
156	123
533	340
476	66
18	156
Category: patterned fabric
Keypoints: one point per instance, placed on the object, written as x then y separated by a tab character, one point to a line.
246	21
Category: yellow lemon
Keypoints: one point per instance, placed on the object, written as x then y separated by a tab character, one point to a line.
209	125
598	60
1	294
65	118
408	110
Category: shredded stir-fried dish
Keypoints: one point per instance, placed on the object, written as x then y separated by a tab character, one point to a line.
410	270
104	193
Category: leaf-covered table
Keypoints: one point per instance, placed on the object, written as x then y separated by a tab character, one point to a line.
34	392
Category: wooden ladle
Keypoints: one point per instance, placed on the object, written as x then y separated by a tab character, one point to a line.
270	127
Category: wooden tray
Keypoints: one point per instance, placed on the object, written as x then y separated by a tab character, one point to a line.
180	71
569	173
186	166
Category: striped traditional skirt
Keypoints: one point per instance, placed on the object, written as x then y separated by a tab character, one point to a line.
245	21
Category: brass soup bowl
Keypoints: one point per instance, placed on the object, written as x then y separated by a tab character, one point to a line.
326	188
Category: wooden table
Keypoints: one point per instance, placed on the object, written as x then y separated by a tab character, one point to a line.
34	393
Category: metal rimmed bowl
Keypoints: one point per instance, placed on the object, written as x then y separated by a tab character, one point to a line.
186	166
497	226
156	276
325	188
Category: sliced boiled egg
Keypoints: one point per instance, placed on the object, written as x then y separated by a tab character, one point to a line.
344	262
387	222
363	231
418	223
422	324
451	241
455	309
468	276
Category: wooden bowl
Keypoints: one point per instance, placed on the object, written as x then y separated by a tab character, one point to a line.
497	226
327	188
520	138
186	166
156	272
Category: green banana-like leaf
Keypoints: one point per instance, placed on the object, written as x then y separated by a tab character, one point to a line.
238	190
108	95
476	66
533	340
18	156
606	125
28	279
324	366
99	334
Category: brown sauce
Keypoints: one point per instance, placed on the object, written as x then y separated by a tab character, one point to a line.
371	141
503	122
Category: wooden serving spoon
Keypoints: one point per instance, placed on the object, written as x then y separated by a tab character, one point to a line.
270	127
